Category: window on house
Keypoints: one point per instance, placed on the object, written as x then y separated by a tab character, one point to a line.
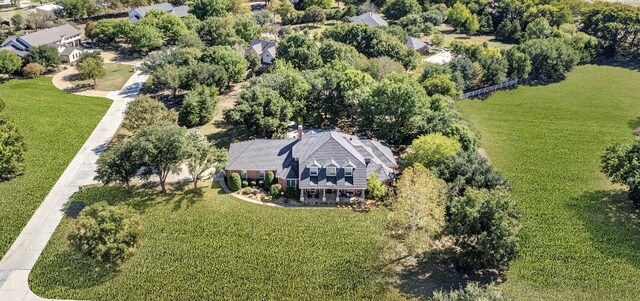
243	174
331	171
348	171
262	175
313	171
291	183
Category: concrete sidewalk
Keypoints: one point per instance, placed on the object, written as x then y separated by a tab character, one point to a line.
23	254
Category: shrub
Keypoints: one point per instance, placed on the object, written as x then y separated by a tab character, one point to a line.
292	193
235	182
33	70
471	292
247	190
275	189
261	184
108	234
245	183
375	188
484	225
253	183
269	177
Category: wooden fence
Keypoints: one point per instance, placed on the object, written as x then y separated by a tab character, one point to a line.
504	85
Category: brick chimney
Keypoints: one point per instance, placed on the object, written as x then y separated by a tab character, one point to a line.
299	132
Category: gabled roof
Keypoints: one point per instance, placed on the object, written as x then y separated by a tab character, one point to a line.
415	43
260	47
320	149
69	50
370	19
138	13
49	35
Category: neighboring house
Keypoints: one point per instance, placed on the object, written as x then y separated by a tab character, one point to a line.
327	167
418	45
265	50
48	10
61	37
138	13
70	54
370	19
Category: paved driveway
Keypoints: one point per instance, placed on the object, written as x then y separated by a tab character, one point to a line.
23	254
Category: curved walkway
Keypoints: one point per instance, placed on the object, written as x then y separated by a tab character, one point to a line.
16	265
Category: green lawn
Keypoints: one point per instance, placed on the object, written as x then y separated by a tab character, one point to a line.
218	247
116	76
450	35
55	125
580	237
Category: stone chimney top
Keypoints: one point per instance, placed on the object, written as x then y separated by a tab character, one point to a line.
299	132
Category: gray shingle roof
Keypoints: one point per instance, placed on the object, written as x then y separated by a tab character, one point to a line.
49	35
140	12
370	19
287	156
415	43
262	47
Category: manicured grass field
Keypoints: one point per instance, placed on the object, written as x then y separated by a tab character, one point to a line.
219	247
580	237
116	76
55	125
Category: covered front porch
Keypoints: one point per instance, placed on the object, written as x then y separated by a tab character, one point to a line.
319	196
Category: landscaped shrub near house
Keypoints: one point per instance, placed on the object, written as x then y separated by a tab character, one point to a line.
235	183
108	234
247	190
268	178
291	193
275	189
253	183
245	183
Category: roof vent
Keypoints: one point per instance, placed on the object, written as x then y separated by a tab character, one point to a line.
367	160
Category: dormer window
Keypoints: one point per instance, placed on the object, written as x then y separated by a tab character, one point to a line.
348	171
331	171
313	171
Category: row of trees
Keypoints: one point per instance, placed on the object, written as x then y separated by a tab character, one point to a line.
35	63
159	150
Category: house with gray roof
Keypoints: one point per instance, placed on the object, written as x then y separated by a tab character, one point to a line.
418	45
370	19
61	37
136	14
265	50
327	167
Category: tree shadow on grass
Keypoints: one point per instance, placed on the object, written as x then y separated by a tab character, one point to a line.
634	123
70	269
612	221
436	272
631	64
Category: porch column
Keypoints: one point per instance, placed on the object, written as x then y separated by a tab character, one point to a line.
337	195
324	196
302	195
363	199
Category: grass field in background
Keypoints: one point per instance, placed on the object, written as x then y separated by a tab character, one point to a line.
219	247
580	236
115	77
55	125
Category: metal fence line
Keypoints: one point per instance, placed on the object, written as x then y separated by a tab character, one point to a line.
503	85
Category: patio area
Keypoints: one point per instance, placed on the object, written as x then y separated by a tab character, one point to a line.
314	196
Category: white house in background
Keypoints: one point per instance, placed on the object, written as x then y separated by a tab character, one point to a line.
138	13
265	50
370	19
48	10
61	37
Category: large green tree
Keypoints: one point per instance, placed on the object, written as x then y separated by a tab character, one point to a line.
300	50
45	55
204	9
231	60
197	107
260	112
485	226
550	58
145	38
118	164
418	208
394	107
145	111
91	68
161	149
432	150
397	9
202	156
12	149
